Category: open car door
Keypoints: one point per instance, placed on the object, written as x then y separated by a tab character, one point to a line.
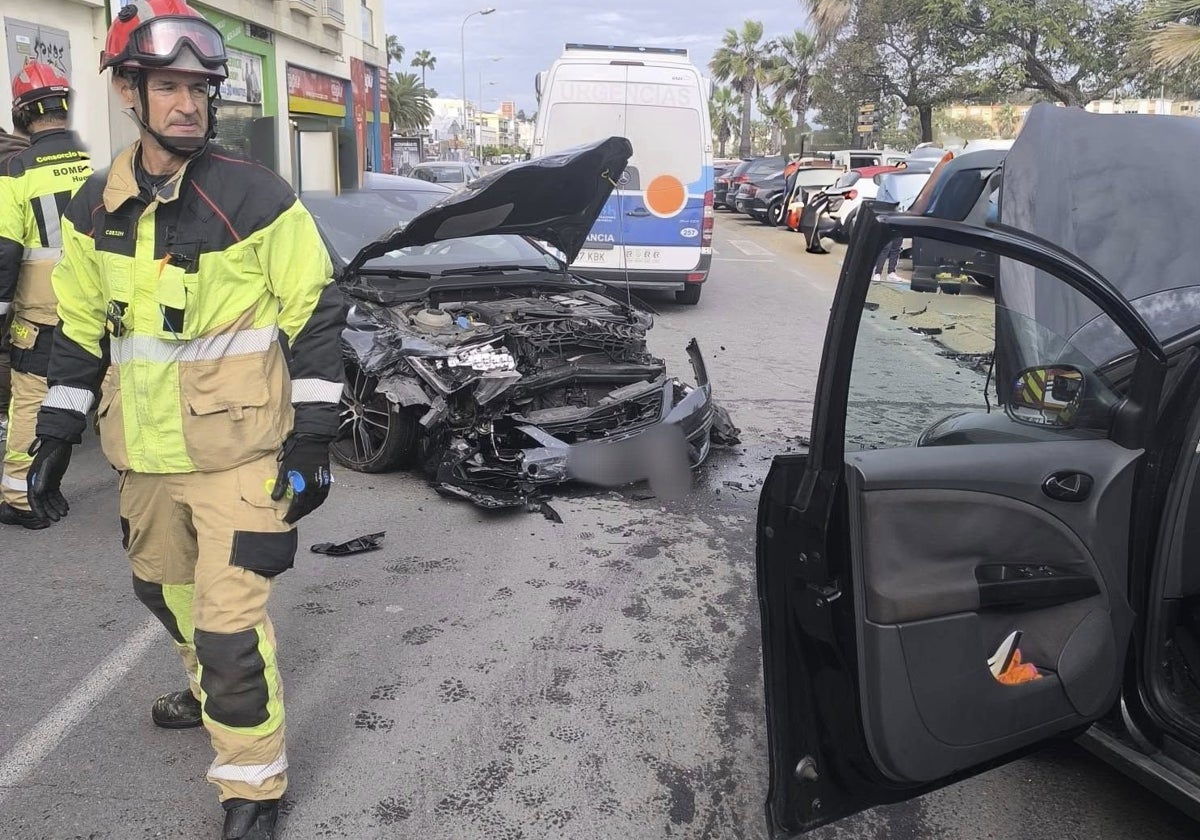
889	577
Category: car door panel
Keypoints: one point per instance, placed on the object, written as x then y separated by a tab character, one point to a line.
928	633
888	577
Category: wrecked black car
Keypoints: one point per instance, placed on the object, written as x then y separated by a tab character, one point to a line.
472	353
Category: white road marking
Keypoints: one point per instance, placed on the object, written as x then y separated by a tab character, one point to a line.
750	249
40	741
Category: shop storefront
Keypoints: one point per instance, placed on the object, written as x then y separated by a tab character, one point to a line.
371	124
247	108
316	110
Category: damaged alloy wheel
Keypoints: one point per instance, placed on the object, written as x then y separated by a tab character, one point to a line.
374	434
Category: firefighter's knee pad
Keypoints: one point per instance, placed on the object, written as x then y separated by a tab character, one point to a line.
233	677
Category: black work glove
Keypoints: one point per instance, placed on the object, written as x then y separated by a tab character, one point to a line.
304	475
51	457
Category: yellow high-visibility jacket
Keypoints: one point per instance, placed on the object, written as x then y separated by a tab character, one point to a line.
36	184
213	299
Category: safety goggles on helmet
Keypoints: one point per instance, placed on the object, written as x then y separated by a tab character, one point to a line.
159	41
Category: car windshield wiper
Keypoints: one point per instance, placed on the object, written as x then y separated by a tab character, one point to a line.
381	271
491	269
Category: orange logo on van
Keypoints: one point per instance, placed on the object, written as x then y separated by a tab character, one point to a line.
666	195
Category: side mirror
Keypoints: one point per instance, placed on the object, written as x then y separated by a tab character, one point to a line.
1047	396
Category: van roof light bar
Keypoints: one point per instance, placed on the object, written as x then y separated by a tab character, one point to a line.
617	48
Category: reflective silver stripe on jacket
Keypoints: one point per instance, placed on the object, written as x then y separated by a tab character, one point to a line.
149	349
18	484
51	220
5	305
63	396
316	390
34	254
253	774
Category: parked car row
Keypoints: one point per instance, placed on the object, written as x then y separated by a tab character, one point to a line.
822	198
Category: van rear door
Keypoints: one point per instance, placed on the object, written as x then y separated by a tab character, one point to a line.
585	103
670	172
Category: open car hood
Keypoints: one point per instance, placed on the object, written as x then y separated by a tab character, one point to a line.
1106	188
555	198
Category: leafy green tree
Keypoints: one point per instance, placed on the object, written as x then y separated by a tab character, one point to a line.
426	61
722	112
740	60
843	79
408	102
918	60
967	128
1072	51
789	70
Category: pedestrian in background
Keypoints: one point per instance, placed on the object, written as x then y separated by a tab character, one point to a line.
35	185
10	144
207	281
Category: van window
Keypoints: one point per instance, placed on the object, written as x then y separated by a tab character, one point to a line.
857	161
576	123
651	129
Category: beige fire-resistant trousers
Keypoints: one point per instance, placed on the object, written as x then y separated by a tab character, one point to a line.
28	391
204	548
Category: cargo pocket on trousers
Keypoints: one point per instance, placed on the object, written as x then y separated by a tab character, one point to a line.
272	549
265	553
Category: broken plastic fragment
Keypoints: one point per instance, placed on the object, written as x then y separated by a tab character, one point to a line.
367	542
550	513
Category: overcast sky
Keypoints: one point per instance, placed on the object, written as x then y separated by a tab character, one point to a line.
526	36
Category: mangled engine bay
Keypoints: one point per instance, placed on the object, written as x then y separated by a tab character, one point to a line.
513	389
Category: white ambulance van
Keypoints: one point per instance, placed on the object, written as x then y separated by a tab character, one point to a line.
655	232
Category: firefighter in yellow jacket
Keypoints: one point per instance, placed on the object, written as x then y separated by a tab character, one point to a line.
35	185
203	282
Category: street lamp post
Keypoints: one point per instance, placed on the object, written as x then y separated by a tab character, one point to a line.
479	115
462	44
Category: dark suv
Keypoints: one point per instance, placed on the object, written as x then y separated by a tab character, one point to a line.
726	185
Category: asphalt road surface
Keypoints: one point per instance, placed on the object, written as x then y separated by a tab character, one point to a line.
494	676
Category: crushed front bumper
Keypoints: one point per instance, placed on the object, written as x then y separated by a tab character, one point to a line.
662	451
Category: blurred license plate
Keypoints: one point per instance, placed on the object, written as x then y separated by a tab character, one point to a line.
589	255
644	255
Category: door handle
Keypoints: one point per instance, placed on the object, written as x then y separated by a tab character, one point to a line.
1068	486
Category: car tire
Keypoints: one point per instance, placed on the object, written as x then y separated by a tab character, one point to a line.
775	213
689	295
374	434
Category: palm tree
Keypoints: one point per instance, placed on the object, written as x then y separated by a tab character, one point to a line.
779	117
722	110
828	17
426	61
740	61
395	50
408	102
789	71
1173	38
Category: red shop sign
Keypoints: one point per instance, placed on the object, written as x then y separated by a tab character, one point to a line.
315	92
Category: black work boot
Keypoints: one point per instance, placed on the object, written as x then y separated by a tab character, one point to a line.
249	820
177	710
10	515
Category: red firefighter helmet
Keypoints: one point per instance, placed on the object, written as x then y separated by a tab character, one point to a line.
38	82
162	34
